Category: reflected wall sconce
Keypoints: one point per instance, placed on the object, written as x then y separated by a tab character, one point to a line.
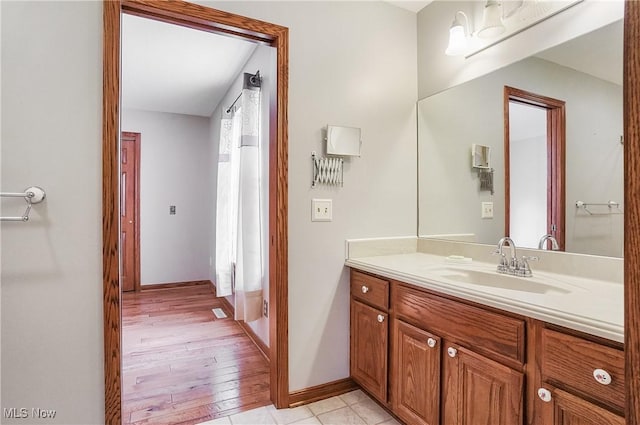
458	36
492	24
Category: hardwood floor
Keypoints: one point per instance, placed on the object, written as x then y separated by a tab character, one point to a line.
182	365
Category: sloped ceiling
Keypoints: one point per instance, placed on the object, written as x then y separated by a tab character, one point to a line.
169	68
598	53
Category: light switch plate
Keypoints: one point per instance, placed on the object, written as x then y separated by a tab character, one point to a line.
321	210
487	210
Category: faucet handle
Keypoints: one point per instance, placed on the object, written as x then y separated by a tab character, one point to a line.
503	257
503	264
524	268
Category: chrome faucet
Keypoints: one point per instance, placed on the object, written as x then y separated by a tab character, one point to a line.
513	266
505	266
543	240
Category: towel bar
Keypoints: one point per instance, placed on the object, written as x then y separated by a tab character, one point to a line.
32	195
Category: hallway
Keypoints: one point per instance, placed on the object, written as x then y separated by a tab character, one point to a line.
182	365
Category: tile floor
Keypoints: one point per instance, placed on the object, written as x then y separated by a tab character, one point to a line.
354	408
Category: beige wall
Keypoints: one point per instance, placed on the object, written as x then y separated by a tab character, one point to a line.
52	333
174	165
351	63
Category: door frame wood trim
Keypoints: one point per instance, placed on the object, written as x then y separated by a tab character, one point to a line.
136	199
631	85
202	18
556	136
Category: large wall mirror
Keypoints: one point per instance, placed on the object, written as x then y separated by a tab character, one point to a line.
586	74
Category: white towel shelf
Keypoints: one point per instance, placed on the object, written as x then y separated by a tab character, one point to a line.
613	207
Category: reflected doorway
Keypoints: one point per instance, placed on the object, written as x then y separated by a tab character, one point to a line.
534	127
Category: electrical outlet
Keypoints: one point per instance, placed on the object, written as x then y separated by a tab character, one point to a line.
487	210
265	308
321	210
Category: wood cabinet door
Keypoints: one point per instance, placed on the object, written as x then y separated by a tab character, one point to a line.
369	337
567	409
479	391
415	372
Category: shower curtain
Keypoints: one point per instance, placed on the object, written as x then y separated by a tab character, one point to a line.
239	257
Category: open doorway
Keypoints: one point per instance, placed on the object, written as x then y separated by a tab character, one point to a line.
534	128
210	20
184	357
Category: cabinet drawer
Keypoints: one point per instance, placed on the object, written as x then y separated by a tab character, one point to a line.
369	289
569	362
489	333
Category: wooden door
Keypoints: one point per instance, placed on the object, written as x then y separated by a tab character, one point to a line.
568	409
416	374
479	391
129	210
369	336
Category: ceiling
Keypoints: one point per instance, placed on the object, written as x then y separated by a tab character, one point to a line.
412	5
169	68
598	53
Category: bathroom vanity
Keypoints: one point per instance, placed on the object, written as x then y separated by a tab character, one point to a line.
440	342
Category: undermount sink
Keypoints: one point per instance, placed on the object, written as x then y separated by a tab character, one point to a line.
495	280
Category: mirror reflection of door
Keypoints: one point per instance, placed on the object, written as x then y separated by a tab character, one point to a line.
534	168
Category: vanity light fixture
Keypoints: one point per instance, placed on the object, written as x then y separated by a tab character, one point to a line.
458	36
492	25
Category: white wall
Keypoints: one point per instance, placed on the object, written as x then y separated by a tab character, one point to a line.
263	59
174	170
354	64
449	198
437	72
351	63
52	326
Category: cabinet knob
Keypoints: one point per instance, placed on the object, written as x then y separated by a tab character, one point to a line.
452	352
544	394
380	318
365	289
431	342
602	376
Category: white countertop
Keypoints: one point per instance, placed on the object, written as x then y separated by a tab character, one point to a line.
588	305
